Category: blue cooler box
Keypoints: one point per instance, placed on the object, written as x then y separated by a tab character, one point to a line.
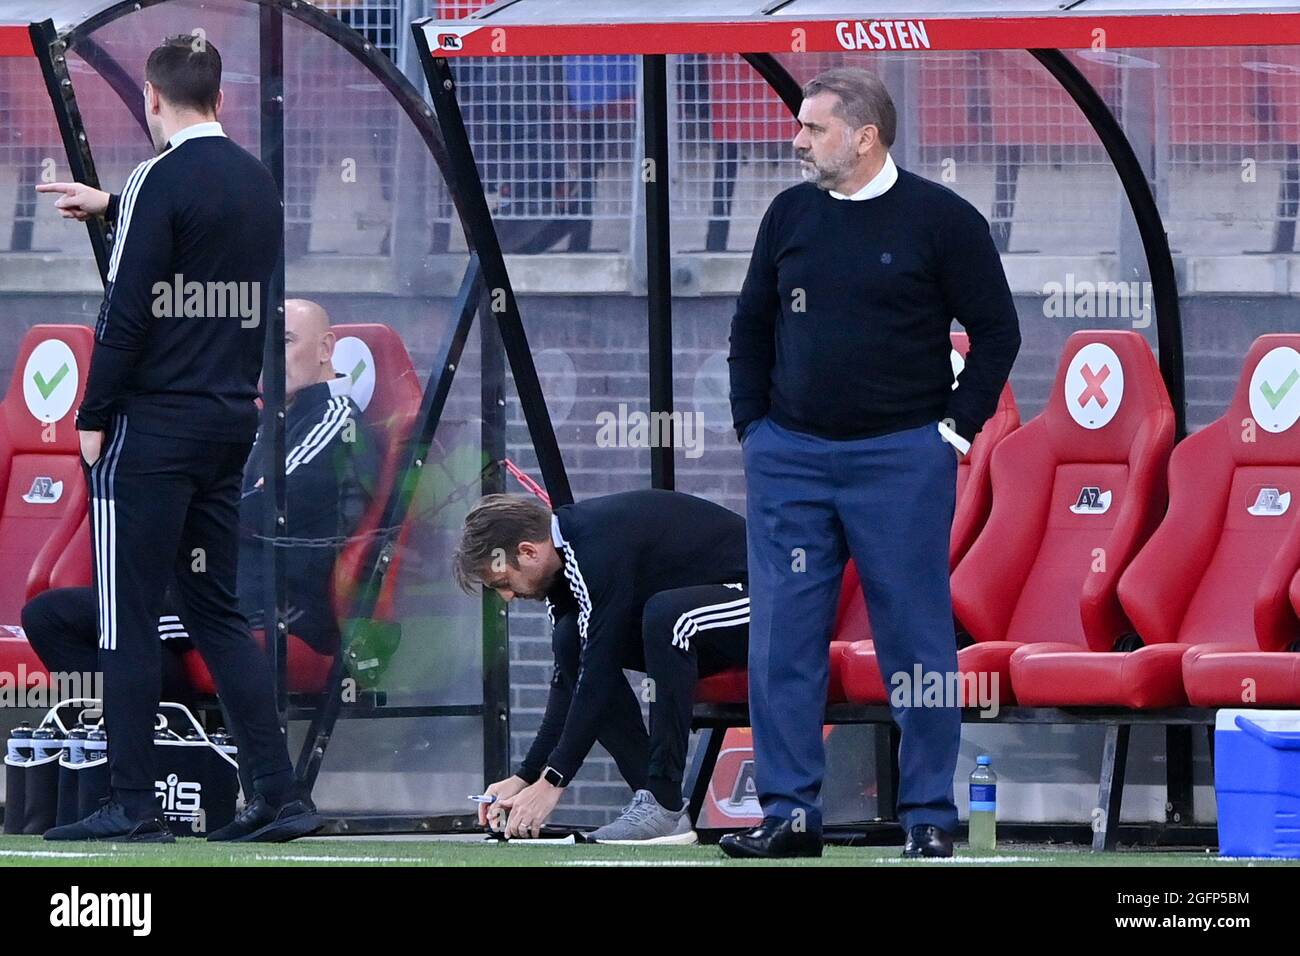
1257	782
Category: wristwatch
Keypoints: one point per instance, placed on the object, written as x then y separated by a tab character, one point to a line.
553	776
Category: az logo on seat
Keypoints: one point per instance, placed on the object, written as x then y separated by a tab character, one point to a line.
1270	502
1092	501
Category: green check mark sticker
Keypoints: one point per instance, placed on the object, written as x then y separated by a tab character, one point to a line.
47	388
356	372
1274	396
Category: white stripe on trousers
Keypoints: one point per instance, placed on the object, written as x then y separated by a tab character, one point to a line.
102	473
709	616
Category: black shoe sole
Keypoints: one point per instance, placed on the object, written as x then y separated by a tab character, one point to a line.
159	837
282	831
927	856
741	852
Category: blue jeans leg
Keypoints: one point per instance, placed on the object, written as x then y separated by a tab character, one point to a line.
895	499
797	555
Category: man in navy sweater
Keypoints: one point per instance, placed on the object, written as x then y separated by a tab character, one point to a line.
842	396
166	423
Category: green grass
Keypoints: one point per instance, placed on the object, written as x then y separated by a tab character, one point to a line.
32	851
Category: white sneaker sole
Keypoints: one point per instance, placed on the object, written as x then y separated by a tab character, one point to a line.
688	838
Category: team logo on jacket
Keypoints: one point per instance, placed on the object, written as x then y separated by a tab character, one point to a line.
45	491
1092	501
1270	502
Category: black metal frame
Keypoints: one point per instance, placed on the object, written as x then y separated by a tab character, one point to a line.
51	52
325	709
659	267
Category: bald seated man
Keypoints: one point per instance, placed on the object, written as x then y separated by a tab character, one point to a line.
331	465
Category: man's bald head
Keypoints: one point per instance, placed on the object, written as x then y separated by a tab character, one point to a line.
308	345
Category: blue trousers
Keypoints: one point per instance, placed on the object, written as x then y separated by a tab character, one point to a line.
813	502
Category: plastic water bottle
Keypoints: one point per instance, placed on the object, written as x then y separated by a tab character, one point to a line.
983	805
19	746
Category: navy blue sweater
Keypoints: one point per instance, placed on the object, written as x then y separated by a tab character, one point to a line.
208	212
841	328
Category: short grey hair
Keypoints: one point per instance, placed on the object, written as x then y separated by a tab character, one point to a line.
863	99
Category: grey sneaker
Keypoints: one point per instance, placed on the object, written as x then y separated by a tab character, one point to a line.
644	822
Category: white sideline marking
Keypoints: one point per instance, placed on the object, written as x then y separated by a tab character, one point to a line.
639	862
300	858
55	854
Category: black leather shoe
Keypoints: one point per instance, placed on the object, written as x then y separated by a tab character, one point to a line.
259	822
772	838
925	839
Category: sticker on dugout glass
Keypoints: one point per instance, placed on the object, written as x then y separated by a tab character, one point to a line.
352	358
50	380
559	378
712	396
1094	385
1275	390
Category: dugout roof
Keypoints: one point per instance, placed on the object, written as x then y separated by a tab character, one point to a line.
556	27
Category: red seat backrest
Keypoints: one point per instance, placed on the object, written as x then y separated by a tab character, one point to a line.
1076	491
40	466
974	491
1218	568
388	391
974	499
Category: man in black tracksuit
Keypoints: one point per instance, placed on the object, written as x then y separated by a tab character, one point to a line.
331	465
651	581
166	424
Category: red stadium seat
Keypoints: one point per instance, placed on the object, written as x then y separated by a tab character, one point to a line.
1215	572
732	686
862	678
1076	492
40	467
1213	97
948	85
1029	108
974	488
390	410
1216	581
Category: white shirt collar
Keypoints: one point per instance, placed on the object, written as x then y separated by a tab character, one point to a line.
195	131
556	537
340	385
878	183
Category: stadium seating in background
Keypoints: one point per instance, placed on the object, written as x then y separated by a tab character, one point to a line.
40	459
863	682
40	472
1214	580
851	622
1215	571
1076	492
